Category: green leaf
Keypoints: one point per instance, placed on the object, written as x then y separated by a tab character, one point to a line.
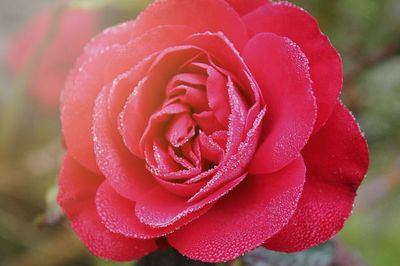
321	255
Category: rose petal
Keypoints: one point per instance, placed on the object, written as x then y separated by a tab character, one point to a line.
187	78
158	121
160	208
337	160
180	129
92	72
285	19
123	85
77	189
207	122
164	163
201	15
182	189
281	70
118	215
244	7
138	108
184	162
217	96
188	88
224	57
209	149
235	163
257	209
194	97
126	173
342	144
119	34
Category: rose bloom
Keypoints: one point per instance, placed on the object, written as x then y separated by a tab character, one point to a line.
211	126
75	29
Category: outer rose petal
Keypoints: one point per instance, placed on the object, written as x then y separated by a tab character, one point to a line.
281	71
336	159
201	15
244	7
285	19
116	35
117	214
257	209
77	198
92	72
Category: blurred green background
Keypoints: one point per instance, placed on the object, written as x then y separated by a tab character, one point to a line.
365	32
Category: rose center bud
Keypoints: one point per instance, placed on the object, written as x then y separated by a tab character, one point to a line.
204	130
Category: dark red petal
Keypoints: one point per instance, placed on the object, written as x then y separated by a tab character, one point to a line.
244	7
95	70
345	152
201	15
337	160
125	172
77	190
257	209
282	73
118	215
285	19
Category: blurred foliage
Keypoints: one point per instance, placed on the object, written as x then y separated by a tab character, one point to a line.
318	256
365	32
99	4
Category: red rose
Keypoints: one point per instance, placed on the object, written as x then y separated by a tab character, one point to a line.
74	31
214	125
